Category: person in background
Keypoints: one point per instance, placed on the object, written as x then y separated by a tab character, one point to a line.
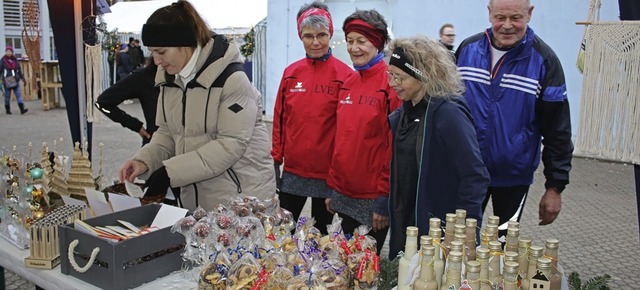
211	140
11	77
304	120
123	62
447	36
138	85
516	89
133	54
359	171
141	56
436	167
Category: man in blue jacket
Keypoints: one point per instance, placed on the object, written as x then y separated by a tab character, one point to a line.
516	89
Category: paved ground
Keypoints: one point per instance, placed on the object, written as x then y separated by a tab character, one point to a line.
597	229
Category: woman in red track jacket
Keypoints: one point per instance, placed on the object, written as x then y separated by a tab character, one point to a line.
359	172
305	117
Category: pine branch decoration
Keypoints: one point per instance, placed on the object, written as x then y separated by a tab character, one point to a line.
249	43
595	283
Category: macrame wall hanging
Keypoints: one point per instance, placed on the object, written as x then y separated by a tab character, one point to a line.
92	64
31	36
610	103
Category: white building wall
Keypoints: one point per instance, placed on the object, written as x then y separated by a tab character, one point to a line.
553	21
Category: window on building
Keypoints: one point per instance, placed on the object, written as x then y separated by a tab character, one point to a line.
12	15
16	43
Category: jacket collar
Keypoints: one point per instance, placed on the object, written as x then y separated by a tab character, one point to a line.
527	42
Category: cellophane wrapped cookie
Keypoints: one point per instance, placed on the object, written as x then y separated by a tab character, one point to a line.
243	274
333	274
309	278
214	275
278	275
363	262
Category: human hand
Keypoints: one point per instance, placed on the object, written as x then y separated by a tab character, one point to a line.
550	205
380	222
327	202
131	169
144	134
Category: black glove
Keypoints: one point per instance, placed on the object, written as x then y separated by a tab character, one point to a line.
158	183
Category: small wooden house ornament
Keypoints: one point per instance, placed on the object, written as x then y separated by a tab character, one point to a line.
539	281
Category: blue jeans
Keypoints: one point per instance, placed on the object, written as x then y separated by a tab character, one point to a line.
7	95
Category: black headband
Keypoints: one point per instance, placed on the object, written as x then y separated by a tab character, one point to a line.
400	61
168	35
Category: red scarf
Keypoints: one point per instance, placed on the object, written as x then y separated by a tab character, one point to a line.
10	62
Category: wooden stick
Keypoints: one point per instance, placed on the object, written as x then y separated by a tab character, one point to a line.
584	22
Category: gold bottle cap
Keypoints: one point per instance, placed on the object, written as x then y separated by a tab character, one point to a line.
473	267
543	263
483	253
471	222
426	240
511	256
494	220
412	231
460	237
450	218
552	244
513	225
434	222
524	242
460	229
455	256
491	229
513	232
456	246
535	252
428	250
461	213
435	234
495	246
511	267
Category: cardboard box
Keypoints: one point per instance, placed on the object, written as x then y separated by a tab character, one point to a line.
128	263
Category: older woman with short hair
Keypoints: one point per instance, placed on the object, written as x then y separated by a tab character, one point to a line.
304	120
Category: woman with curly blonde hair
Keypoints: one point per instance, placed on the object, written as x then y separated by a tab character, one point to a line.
436	166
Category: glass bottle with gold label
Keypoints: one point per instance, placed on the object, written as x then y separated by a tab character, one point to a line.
535	252
410	249
510	279
471	224
482	256
449	229
523	263
551	253
473	274
495	248
438	263
454	271
427	278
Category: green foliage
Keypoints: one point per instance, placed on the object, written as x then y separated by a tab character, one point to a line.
388	273
595	283
109	39
249	43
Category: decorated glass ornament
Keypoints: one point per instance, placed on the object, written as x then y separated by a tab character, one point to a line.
36	172
26	191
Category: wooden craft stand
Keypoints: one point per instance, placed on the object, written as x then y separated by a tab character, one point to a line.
50	85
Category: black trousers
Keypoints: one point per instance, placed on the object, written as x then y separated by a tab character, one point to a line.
295	203
508	203
349	225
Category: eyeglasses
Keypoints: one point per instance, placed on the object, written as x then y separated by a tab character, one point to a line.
396	78
449	35
321	37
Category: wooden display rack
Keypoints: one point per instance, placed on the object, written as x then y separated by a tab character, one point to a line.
50	84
